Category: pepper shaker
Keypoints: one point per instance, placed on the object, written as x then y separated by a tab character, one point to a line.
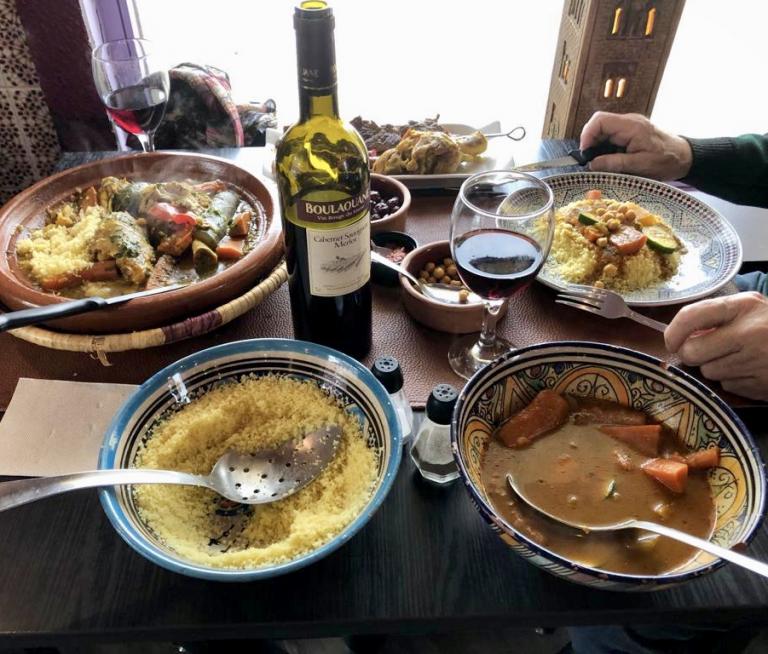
387	370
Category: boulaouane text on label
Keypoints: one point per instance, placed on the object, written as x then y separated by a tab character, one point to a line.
312	211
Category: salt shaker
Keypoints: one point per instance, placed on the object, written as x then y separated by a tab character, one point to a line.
387	371
431	450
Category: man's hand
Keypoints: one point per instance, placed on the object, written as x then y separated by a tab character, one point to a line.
650	152
728	338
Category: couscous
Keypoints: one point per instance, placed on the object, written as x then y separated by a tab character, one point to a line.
613	244
251	414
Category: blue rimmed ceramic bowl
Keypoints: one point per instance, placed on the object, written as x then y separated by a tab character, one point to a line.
339	375
669	395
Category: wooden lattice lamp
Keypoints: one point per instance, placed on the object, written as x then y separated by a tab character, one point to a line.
610	56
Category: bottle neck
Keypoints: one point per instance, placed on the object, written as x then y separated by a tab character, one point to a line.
311	104
316	58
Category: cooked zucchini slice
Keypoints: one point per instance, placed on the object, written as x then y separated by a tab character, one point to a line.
586	218
661	238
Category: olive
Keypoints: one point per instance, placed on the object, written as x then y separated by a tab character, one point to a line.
393	204
375	197
382	208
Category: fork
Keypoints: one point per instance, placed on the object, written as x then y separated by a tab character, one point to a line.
604	303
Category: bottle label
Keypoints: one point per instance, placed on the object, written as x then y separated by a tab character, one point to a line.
339	258
312	211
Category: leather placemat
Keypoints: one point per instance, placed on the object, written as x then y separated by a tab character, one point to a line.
533	317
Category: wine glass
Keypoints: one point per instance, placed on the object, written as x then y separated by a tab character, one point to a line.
501	231
133	86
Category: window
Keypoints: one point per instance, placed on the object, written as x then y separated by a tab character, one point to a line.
397	60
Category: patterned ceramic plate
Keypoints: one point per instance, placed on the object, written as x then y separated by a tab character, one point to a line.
693	412
714	248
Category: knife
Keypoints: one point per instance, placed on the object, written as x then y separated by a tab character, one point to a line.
16	319
575	157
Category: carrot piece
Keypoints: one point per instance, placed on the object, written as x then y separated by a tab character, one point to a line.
59	282
101	271
545	413
241	224
703	459
627	240
591	234
641	438
594	194
230	248
672	474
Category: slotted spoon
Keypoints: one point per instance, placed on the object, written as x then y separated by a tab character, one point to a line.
258	478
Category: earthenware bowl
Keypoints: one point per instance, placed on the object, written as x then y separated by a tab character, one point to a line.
667	394
339	375
27	211
390	187
441	316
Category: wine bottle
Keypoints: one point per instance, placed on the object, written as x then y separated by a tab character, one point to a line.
324	183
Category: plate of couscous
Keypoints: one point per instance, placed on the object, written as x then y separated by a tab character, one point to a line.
248	396
648	241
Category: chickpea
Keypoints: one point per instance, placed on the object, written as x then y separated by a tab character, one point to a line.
630	215
430	267
438	272
610	270
610	215
431	280
602	228
455	282
451	270
622	208
463	295
424	274
599	284
600	211
446	279
447	262
602	242
613	224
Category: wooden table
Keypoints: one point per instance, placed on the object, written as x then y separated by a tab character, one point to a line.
426	562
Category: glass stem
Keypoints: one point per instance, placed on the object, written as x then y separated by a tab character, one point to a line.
487	341
149	146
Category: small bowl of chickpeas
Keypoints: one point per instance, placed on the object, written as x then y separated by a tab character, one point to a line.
433	263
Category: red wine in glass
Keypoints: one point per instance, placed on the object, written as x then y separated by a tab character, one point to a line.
496	263
137	109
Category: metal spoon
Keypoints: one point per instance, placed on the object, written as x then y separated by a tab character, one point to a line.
699	543
441	293
516	134
258	478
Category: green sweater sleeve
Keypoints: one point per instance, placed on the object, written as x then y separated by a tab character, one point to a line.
735	169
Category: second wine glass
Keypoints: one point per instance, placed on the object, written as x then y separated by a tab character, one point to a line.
133	86
501	231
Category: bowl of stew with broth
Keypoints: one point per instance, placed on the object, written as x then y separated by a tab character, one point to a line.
598	434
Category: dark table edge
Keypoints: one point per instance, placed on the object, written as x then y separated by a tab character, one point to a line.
753	615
